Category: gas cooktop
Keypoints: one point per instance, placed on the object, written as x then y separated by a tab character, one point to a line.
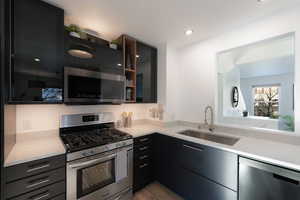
79	140
79	132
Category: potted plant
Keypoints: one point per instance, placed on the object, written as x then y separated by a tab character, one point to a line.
114	44
289	122
74	30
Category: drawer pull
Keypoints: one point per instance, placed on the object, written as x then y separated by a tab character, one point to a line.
38	183
193	148
143	148
144	139
40	196
38	168
143	165
143	157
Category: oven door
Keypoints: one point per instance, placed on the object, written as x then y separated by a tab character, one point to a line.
91	87
95	177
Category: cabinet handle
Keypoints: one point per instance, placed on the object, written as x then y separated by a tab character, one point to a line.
40	196
144	165
286	179
143	157
38	168
144	139
193	148
144	148
38	182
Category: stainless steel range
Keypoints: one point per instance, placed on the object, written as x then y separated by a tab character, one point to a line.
99	158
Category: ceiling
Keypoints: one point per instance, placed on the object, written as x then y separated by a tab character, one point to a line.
165	21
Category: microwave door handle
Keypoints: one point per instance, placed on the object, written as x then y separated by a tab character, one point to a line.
90	162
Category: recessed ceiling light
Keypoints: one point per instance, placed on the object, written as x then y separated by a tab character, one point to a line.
189	32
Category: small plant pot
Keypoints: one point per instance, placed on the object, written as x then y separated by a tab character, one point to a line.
245	114
113	46
74	34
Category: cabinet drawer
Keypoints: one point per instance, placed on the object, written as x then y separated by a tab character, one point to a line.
142	175
195	187
48	192
142	158
35	167
142	149
214	164
34	182
60	197
142	140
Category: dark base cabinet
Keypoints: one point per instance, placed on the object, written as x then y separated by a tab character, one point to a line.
40	179
143	162
195	171
195	187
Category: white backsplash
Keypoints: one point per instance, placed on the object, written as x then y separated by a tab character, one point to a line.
46	117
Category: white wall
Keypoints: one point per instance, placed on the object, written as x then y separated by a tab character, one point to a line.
46	117
198	62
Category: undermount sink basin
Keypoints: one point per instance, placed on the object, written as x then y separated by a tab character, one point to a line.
211	137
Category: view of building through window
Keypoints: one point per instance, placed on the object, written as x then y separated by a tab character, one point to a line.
266	101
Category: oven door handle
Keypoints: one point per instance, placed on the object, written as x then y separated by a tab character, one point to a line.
90	162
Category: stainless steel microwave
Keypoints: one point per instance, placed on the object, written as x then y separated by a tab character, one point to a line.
83	86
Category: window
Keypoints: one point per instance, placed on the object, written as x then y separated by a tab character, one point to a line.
266	101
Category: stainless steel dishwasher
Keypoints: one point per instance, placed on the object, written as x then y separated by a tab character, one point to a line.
261	181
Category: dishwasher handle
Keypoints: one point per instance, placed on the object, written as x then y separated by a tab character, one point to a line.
278	172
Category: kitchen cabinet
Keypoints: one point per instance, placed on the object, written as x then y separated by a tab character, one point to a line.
143	161
140	69
104	59
195	171
37	39
146	73
44	178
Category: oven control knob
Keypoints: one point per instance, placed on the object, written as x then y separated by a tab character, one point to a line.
92	152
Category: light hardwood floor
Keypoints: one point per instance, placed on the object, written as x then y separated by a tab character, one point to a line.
156	191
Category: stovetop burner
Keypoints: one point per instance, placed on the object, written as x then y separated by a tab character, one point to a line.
83	139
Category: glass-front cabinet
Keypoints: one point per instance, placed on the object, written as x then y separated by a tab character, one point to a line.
36	69
146	74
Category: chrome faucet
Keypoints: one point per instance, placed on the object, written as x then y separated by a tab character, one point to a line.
211	125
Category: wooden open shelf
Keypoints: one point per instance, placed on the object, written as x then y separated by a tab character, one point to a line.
129	70
129	52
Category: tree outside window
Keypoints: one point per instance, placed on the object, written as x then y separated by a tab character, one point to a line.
266	101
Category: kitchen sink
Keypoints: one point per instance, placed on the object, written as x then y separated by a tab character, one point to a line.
211	137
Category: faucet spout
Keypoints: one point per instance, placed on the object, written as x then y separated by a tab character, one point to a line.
211	125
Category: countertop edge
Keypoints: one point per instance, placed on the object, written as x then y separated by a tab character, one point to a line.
10	164
264	159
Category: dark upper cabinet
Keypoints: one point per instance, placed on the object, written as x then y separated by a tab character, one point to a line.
37	44
104	59
146	73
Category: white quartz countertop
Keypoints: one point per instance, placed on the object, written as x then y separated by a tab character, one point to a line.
277	153
34	146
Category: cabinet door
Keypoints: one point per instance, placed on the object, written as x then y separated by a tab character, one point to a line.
217	165
195	187
37	52
146	74
104	59
165	159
